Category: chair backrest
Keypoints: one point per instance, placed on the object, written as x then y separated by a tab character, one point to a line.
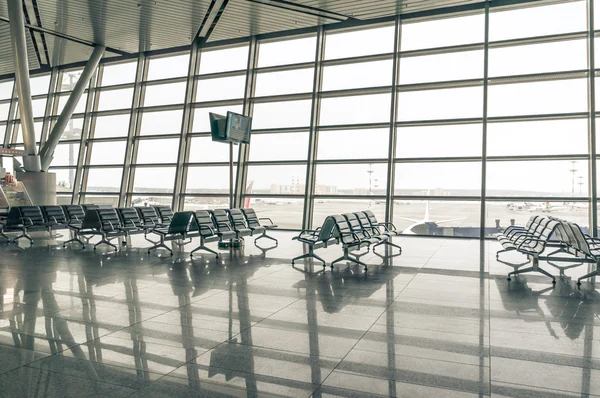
327	230
251	218
222	221
355	225
14	216
32	215
237	218
203	217
364	220
129	217
148	215
91	220
371	217
74	213
109	219
90	207
165	213
182	222
55	214
342	229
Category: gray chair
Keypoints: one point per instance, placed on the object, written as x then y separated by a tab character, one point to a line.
254	223
207	232
183	225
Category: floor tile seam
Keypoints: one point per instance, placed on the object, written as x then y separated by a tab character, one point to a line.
400	381
90	379
209	381
562	356
577	393
426	358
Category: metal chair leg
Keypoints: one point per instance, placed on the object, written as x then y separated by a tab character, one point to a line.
161	244
347	257
310	254
202	247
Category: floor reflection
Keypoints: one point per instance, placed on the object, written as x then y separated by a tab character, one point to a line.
429	323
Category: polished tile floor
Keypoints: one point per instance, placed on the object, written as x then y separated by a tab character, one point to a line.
439	321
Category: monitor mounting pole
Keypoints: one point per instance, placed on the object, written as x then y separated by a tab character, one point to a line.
231	204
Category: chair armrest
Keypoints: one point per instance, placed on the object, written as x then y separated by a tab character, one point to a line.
23	219
268	219
225	226
211	229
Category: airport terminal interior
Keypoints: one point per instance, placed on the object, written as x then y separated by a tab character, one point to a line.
299	198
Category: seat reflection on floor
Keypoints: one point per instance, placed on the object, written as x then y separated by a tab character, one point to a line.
436	321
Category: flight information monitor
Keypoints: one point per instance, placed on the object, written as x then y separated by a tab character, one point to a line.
238	128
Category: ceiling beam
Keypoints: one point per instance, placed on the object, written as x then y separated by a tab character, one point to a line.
317	12
67	37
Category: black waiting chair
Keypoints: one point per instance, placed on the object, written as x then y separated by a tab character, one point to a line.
75	216
55	217
254	223
349	241
239	223
165	213
224	225
207	231
24	219
316	239
375	231
183	225
104	222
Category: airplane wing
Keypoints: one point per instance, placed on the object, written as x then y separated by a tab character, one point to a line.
451	220
409	219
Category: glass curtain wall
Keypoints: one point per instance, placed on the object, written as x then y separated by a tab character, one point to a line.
460	123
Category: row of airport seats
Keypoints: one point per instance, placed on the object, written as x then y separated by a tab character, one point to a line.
89	220
541	232
352	231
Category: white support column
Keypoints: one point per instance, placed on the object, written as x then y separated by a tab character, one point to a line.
31	162
47	152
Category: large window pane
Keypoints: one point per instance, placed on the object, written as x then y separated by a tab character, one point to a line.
351	179
204	149
286	82
456	66
167	67
287	146
158	151
163	122
353	144
4	108
153	179
438	218
69	79
79	108
224	60
153	200
111	126
202	121
104	180
102	200
518	213
65	178
208	180
287	52
438	179
281	179
537	138
165	94
221	88
281	114
66	154
548	20
562	96
119	73
205	203
115	99
439	141
39	107
327	207
39	84
537	178
72	130
285	212
443	32
6	89
108	153
449	103
363	74
538	58
360	42
356	109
